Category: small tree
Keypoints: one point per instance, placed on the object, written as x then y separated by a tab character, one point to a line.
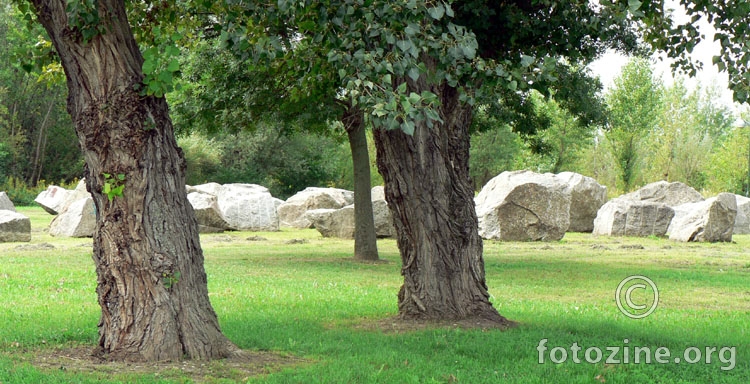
634	107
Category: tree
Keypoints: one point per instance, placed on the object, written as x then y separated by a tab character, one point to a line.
414	69
634	106
34	111
690	126
234	93
151	284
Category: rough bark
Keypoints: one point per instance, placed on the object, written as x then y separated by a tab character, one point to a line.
365	238
430	194
151	284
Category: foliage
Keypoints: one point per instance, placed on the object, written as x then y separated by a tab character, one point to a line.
267	155
690	126
729	166
494	148
37	139
22	194
113	185
634	106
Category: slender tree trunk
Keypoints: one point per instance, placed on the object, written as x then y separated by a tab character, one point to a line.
430	194
365	239
151	284
41	141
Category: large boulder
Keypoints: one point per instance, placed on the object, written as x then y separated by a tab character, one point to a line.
247	207
207	212
77	219
53	199
333	222
710	220
625	217
208	188
586	197
292	211
382	214
340	222
523	206
5	203
671	194
742	220
14	227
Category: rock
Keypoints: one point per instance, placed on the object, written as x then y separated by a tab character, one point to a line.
208	188
247	207
711	220
671	194
742	220
207	213
14	227
625	217
523	206
586	197
35	247
5	203
77	219
340	222
333	222
292	211
382	214
53	199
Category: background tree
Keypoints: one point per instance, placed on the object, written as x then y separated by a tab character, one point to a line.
33	109
234	93
151	284
634	105
690	126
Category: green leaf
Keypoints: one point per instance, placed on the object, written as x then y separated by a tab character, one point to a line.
342	73
449	10
437	12
634	5
148	67
406	106
401	88
174	65
408	127
432	115
469	51
414	73
403	45
411	29
526	61
415	98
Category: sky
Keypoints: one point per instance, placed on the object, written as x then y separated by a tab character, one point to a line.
609	66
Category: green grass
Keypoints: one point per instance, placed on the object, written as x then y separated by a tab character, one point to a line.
311	301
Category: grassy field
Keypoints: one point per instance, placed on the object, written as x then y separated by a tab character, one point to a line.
309	302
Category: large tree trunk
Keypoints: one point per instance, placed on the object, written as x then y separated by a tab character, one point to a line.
430	194
365	239
149	263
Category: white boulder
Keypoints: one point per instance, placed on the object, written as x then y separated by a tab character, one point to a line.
14	227
624	217
292	211
586	197
5	203
524	206
77	219
711	220
247	207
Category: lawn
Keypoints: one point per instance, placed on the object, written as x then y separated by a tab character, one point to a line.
309	302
